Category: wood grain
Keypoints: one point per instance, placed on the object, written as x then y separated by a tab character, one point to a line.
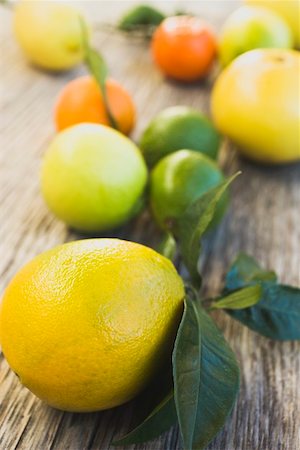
263	220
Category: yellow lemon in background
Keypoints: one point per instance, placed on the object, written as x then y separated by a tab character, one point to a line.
87	324
93	177
49	33
288	9
250	27
255	102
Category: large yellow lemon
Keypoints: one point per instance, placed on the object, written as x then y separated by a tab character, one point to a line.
255	102
87	324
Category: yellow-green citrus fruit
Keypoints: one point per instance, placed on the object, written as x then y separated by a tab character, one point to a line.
261	114
288	9
49	33
178	180
175	128
250	27
87	324
93	177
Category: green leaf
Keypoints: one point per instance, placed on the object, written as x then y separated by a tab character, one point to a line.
159	420
98	69
194	222
246	270
276	315
206	377
167	246
242	298
156	409
141	16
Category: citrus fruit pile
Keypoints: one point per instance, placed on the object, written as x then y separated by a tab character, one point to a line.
87	325
97	319
185	48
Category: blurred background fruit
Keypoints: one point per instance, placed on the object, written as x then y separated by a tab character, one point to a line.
178	180
49	33
288	9
82	326
139	17
93	177
81	101
251	27
184	48
261	114
179	127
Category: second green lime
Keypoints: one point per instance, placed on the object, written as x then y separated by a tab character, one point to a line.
178	180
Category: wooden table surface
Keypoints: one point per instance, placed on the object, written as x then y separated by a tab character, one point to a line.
263	220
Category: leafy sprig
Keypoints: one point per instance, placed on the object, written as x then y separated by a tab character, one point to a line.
205	370
277	313
98	69
206	377
189	229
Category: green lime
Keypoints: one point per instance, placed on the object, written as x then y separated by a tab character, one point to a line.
178	180
179	127
93	177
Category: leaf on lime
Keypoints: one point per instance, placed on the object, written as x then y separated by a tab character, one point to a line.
190	227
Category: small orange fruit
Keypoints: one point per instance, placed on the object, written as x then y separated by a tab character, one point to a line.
184	47
81	101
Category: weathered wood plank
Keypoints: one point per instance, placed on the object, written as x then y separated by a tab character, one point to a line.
263	220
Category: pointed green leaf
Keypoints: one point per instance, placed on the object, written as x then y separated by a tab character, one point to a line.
276	316
141	16
242	298
206	377
159	420
194	222
98	69
245	270
167	246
